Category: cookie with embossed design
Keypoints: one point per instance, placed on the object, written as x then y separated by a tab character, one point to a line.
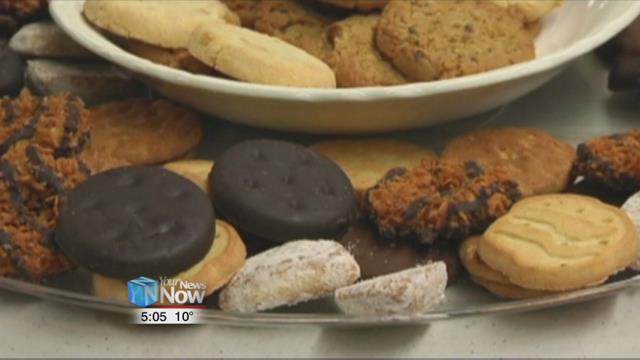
282	191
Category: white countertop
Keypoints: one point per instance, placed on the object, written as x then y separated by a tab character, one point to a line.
575	105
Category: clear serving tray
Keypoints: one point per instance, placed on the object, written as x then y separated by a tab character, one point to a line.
574	106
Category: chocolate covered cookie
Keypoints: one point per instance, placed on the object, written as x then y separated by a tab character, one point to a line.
439	201
612	161
11	71
134	221
282	191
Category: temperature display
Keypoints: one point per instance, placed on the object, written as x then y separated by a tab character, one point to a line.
160	316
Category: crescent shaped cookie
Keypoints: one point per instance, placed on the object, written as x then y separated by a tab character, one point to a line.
560	242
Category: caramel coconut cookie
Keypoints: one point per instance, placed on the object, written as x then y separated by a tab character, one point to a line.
612	161
539	162
140	132
250	56
354	56
429	39
439	201
296	23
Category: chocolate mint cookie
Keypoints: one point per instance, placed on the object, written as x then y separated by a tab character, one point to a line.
282	191
134	221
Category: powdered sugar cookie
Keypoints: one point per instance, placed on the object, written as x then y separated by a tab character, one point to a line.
412	291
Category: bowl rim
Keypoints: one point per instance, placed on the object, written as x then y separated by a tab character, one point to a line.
106	49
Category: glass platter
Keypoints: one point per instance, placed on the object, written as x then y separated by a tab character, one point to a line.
574	106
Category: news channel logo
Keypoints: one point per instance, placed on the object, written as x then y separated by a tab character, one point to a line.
166	300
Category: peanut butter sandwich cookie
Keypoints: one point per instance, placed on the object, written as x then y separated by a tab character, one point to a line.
539	162
250	56
140	132
354	56
612	161
367	161
428	39
560	242
439	201
292	273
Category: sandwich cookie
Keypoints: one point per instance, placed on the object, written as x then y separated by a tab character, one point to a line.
282	191
409	292
292	273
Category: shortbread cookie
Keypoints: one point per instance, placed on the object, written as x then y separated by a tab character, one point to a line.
612	161
509	291
225	257
245	9
46	39
194	170
431	39
632	207
355	58
539	162
93	81
295	22
409	292
143	132
560	242
364	5
166	23
175	58
367	161
532	10
439	201
292	273
258	58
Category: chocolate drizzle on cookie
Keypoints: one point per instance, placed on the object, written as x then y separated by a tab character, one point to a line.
42	171
14	254
71	123
26	132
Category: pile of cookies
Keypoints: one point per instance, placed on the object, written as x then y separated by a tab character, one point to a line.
326	43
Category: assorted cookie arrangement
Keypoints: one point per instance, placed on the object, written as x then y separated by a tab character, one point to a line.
112	183
325	43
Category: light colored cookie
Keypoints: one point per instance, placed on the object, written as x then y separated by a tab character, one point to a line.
632	207
468	252
532	10
432	39
225	257
194	170
296	23
46	39
364	5
539	162
258	58
560	242
367	161
509	291
175	58
289	274
355	58
166	23
143	132
408	292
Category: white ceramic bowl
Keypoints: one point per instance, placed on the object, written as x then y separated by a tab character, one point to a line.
569	32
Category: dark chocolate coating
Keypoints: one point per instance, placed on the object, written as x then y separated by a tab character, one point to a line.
377	256
282	191
12	68
136	221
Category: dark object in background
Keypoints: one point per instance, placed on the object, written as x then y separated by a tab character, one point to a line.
14	13
625	74
12	68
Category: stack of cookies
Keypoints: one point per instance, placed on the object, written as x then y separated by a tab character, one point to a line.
326	43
